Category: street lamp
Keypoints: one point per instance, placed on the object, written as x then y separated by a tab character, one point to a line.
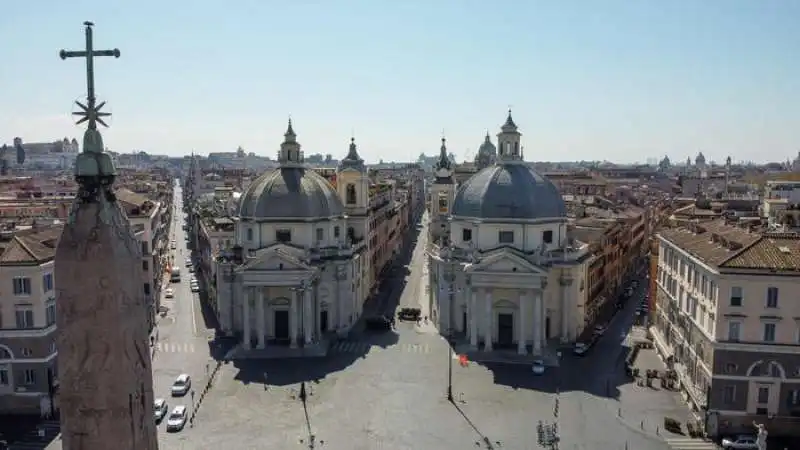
451	341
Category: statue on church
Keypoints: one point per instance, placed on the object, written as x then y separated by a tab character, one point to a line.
761	436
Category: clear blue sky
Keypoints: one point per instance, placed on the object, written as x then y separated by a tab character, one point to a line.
617	80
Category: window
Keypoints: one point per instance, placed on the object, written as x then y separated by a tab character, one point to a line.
24	317
769	332
52	347
336	231
283	235
466	235
22	286
30	376
26	352
145	265
793	399
736	296
547	236
47	282
351	194
730	368
145	251
772	297
763	394
147	289
50	311
4	379
506	237
729	394
320	234
734	331
249	234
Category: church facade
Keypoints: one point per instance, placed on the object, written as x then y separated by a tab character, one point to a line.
508	276
293	276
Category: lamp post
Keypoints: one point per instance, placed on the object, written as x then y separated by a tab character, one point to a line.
450	277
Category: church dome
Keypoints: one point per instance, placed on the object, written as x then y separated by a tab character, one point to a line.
508	190
290	193
487	148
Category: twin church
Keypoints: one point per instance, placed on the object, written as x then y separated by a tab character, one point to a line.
503	271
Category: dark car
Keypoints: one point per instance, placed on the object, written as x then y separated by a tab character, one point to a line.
411	314
378	323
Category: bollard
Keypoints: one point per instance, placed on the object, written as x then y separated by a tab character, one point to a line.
656	430
643	424
619	412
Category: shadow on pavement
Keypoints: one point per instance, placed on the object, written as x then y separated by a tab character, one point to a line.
289	371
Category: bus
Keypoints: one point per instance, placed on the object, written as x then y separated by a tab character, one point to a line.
175	275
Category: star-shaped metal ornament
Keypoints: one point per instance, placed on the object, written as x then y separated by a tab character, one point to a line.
91	114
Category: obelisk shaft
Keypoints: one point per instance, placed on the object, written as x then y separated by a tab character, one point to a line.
105	376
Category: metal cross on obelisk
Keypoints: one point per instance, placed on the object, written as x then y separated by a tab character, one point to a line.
91	111
94	169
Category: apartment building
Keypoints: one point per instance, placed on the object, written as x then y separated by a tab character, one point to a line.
28	373
727	319
145	217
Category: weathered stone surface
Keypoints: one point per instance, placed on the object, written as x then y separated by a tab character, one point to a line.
106	385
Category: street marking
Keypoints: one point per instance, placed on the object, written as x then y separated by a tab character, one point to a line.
167	347
691	444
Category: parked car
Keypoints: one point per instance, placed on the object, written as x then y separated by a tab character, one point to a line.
177	418
181	385
743	442
580	349
160	409
169	293
538	367
195	287
599	330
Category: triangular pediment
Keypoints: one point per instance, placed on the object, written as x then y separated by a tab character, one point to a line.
505	261
277	257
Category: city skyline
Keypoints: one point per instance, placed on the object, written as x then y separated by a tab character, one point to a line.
696	77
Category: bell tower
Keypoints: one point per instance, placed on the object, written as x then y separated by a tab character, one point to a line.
443	192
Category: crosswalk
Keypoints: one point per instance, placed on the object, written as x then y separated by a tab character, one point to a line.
170	347
691	444
363	347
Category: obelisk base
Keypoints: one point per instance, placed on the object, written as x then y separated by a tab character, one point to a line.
105	377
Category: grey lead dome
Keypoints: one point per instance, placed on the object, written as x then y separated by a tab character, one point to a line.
508	191
290	192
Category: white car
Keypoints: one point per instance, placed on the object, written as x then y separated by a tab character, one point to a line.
172	245
181	385
538	367
740	443
177	418
580	349
188	262
195	288
169	293
160	409
599	330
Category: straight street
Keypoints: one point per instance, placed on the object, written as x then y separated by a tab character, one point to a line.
183	341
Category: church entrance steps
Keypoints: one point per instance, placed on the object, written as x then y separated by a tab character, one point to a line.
364	347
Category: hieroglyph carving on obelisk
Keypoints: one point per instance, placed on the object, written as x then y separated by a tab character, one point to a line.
105	377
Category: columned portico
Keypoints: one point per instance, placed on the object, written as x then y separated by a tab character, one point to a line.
293	311
261	323
565	300
246	317
538	320
489	320
522	347
473	318
308	319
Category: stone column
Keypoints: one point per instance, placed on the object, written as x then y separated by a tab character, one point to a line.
262	327
308	323
522	347
566	304
473	319
487	338
317	311
293	317
246	299
538	322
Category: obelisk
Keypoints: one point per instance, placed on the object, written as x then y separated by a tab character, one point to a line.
105	376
